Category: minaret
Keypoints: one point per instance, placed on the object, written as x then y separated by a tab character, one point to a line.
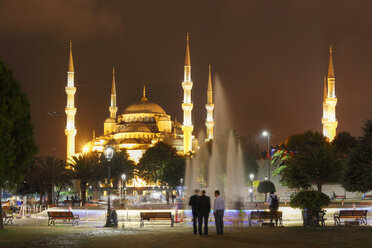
113	108
187	105
110	123
209	123
70	109
329	102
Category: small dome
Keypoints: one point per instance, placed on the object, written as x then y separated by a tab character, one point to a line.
110	120
144	107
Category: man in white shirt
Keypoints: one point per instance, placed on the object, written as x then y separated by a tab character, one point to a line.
218	211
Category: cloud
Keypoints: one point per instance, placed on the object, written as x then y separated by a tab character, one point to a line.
80	19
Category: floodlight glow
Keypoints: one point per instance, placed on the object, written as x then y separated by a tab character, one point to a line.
265	133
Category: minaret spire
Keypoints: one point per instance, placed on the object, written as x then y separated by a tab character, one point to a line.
331	70
187	55
187	104
70	109
110	123
113	108
70	60
330	101
209	122
113	86
144	98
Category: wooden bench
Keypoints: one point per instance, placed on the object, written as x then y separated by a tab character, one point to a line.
155	216
359	215
53	216
261	216
7	216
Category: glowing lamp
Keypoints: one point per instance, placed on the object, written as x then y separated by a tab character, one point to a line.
109	152
251	176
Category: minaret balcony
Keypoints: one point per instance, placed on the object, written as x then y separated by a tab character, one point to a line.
187	106
70	132
209	107
70	111
187	85
70	90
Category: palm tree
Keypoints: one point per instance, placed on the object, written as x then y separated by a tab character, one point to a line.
120	164
84	168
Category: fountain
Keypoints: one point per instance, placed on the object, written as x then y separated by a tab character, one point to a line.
221	167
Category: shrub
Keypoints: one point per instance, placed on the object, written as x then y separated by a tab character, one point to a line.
310	200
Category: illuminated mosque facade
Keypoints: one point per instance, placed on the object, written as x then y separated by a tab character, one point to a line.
142	124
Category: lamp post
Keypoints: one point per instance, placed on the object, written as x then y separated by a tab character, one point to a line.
109	153
54	114
181	180
251	176
267	134
123	177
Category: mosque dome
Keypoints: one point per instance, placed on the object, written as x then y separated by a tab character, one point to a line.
137	127
144	106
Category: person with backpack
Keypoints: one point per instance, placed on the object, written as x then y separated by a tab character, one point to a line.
273	206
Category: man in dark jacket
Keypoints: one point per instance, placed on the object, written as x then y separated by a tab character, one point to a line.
193	201
203	207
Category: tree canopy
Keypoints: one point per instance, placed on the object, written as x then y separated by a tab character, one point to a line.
162	164
344	142
17	144
315	161
358	171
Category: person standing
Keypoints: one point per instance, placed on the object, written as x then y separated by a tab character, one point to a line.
193	201
273	206
203	207
218	211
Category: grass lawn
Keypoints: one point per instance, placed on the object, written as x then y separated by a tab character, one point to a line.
181	236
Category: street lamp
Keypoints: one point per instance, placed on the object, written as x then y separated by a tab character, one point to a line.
267	134
54	114
109	153
123	177
181	180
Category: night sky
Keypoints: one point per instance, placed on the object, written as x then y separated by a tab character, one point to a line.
271	57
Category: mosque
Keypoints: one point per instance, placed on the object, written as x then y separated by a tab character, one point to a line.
143	123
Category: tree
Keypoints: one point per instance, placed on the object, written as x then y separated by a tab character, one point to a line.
298	143
173	171
265	187
17	144
358	171
86	169
344	142
120	164
315	164
311	202
161	163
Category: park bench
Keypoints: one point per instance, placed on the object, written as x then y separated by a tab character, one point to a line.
155	216
261	216
7	216
367	197
53	216
358	215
